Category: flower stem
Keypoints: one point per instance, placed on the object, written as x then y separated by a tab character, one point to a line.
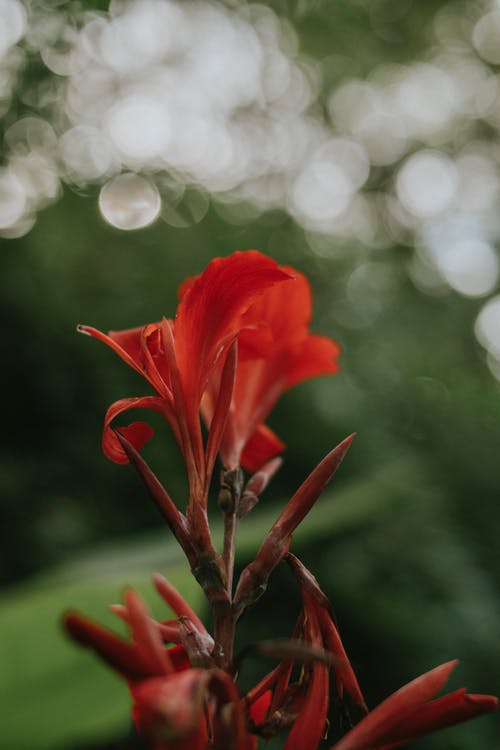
225	621
230	526
224	628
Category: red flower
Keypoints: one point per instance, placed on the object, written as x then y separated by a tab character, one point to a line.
179	698
276	351
316	643
178	357
412	712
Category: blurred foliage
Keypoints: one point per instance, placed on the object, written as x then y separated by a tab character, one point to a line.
406	544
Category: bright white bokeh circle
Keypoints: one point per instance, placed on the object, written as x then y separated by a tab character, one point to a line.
129	201
427	183
139	125
486	37
12	23
12	199
487	326
470	266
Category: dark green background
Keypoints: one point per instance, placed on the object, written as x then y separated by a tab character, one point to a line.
405	542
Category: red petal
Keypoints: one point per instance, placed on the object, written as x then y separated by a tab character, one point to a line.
308	727
262	446
122	656
146	636
210	310
179	658
316	356
132	345
286	309
259	707
371	731
282	313
315	600
255	341
176	601
229	725
259	384
168	630
440	713
343	669
127	344
191	442
222	404
138	433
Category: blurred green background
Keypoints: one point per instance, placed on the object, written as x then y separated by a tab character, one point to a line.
405	541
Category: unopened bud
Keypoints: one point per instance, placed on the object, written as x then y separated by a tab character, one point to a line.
225	500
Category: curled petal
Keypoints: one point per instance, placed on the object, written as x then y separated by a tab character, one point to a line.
137	433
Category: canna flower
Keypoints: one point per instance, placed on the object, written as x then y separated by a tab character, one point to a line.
413	711
178	358
280	353
239	339
303	705
181	700
235	344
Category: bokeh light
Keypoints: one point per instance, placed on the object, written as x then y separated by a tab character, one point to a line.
12	24
426	184
488	327
129	201
173	107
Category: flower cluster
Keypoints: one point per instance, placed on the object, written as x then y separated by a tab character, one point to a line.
239	339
